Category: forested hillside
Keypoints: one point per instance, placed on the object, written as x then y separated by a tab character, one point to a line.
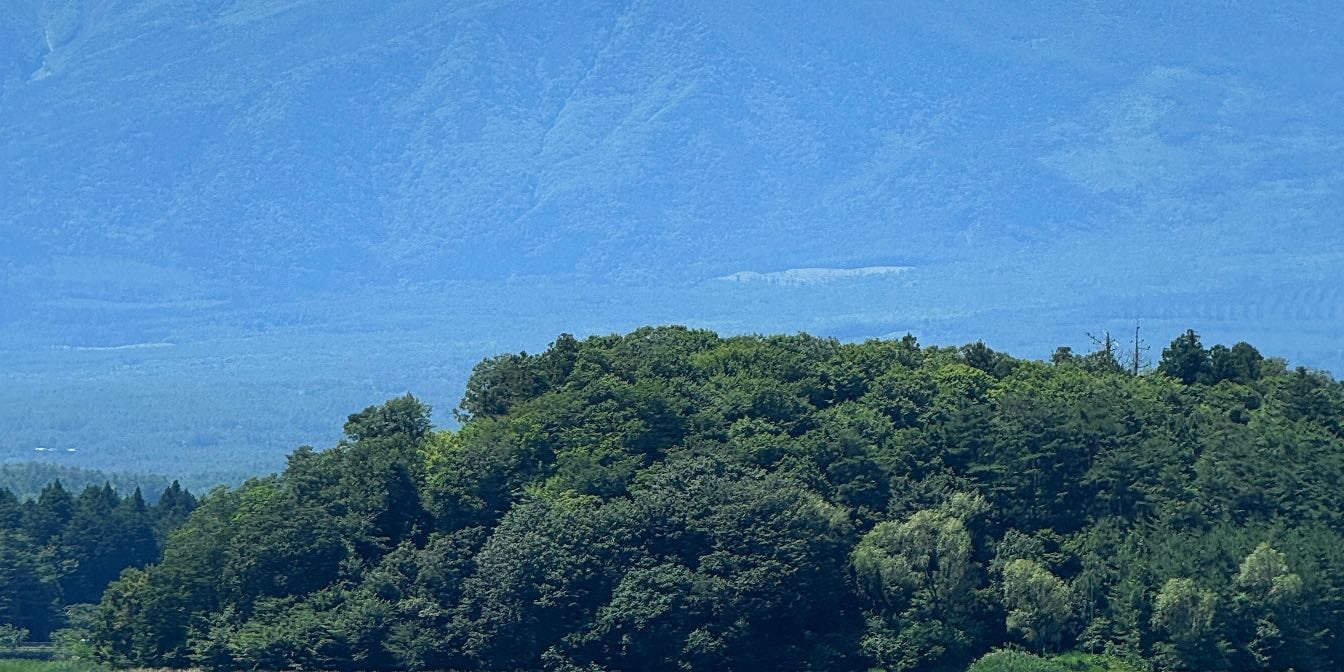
671	500
58	551
225	224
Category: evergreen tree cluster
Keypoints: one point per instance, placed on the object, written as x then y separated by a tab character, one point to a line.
25	480
672	500
59	550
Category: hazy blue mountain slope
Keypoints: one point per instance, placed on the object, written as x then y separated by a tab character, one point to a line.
360	198
22	40
604	137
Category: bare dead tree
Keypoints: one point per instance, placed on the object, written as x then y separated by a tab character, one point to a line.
1107	351
1137	361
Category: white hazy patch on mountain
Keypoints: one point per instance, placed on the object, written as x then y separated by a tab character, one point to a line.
796	277
112	348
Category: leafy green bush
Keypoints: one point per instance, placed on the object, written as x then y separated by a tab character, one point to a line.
11	637
1016	661
1021	661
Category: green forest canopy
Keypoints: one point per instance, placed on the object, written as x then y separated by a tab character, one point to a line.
669	499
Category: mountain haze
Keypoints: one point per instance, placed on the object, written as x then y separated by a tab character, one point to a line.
203	198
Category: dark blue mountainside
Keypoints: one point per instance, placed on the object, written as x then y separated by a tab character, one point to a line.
225	223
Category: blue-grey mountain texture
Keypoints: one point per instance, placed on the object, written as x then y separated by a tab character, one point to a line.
224	224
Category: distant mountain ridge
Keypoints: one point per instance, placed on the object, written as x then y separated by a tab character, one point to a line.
358	199
421	139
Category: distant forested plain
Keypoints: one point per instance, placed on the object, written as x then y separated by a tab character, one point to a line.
27	480
669	499
219	393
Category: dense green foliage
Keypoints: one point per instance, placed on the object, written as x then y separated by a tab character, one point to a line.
49	666
669	500
59	551
1019	661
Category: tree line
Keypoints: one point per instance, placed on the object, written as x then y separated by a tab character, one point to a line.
59	551
25	480
669	499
